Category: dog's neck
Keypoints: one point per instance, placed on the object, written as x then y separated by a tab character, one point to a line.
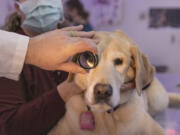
113	109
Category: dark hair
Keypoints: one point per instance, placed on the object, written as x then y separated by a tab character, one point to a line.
13	22
76	4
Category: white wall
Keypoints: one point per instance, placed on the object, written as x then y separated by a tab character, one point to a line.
6	7
155	43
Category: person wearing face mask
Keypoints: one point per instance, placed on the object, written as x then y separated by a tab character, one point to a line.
33	104
39	16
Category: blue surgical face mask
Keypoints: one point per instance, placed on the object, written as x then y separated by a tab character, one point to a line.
42	15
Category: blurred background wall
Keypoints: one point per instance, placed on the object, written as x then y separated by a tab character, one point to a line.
6	7
161	44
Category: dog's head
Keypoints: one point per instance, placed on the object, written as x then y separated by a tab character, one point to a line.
120	61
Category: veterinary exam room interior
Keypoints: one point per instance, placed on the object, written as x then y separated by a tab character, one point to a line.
152	27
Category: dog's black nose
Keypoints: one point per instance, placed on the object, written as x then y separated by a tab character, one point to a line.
102	91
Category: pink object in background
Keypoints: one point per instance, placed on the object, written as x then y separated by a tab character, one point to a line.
172	132
87	120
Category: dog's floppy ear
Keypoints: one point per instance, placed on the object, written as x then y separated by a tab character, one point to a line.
144	70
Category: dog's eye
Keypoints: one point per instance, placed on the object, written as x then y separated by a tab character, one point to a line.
118	61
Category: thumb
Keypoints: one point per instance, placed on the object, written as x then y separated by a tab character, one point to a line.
71	67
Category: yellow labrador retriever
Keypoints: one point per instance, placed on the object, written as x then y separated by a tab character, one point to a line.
112	111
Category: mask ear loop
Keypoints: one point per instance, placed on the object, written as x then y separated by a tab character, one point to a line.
18	3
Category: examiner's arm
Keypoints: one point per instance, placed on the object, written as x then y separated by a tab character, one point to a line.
36	117
50	51
12	54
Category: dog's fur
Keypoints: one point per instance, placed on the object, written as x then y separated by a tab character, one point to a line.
133	115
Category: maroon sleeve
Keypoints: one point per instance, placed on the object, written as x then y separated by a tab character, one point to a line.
19	117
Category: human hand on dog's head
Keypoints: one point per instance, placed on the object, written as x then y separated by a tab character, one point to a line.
67	89
52	50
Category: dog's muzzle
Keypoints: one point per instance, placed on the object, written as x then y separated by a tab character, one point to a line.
102	92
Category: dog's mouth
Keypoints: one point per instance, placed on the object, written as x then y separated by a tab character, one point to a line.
100	107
